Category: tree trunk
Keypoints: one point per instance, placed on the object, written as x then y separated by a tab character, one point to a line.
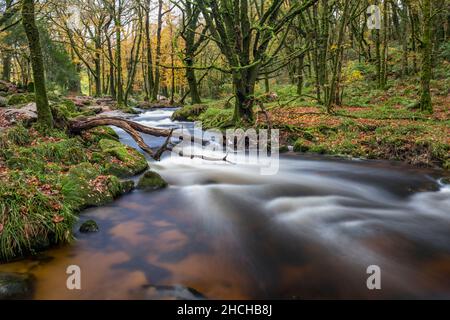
45	117
112	76
118	26
6	74
244	91
158	53
148	46
384	58
134	59
192	82
404	38
427	59
98	67
301	63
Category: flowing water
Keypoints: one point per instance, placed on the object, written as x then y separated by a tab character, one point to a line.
228	232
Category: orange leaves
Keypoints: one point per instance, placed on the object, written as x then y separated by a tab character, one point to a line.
99	184
48	190
57	219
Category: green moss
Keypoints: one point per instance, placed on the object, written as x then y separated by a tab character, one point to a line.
31	218
131	161
189	113
49	178
320	149
152	181
84	186
300	146
17	135
21	98
214	118
25	163
36	158
99	133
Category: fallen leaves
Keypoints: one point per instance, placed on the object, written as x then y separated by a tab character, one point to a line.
57	219
99	184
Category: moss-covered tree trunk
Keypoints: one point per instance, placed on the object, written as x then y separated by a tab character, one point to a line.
149	57
6	74
427	60
119	91
45	117
157	79
97	63
191	23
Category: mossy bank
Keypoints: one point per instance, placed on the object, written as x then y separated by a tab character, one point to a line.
46	178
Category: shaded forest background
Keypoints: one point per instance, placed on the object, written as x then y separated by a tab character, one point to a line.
189	51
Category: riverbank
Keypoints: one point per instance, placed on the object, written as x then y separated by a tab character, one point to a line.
48	177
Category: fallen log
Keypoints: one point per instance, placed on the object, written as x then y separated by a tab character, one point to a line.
77	126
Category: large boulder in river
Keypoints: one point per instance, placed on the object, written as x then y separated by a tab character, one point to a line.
16	286
151	181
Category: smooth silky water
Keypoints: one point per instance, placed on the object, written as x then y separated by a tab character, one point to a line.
228	232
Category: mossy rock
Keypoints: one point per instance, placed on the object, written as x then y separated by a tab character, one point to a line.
300	146
16	286
21	98
24	163
320	149
84	186
446	166
189	113
36	158
131	161
3	102
127	186
18	135
284	149
96	134
89	226
151	181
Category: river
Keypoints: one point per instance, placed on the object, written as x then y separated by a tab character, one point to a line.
228	232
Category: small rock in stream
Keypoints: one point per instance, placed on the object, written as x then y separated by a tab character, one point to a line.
171	293
89	227
16	286
151	181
